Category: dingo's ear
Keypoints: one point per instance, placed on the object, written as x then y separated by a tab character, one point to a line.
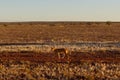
52	48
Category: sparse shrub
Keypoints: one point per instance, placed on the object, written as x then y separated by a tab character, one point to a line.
89	23
90	78
19	23
97	23
4	24
31	24
108	23
72	23
51	24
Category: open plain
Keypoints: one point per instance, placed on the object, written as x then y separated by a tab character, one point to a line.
94	51
59	31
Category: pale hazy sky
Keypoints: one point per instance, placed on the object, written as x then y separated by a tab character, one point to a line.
59	10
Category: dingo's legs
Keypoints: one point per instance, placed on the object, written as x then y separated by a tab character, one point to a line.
61	55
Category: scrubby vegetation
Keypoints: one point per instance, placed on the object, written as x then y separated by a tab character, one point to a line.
93	51
25	70
59	32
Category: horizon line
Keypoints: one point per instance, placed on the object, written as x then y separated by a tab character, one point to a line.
54	21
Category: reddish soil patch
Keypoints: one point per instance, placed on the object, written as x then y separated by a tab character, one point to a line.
98	56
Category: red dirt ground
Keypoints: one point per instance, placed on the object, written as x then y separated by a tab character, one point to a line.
98	56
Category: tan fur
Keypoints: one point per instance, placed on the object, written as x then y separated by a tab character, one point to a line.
61	52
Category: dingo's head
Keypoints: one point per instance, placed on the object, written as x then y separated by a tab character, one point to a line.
52	48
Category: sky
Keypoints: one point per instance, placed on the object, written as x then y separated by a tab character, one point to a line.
59	10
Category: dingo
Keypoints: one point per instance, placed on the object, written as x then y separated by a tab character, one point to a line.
61	52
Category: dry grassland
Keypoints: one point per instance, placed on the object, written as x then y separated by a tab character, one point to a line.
93	55
59	32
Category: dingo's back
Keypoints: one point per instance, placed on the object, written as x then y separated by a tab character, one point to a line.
57	50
